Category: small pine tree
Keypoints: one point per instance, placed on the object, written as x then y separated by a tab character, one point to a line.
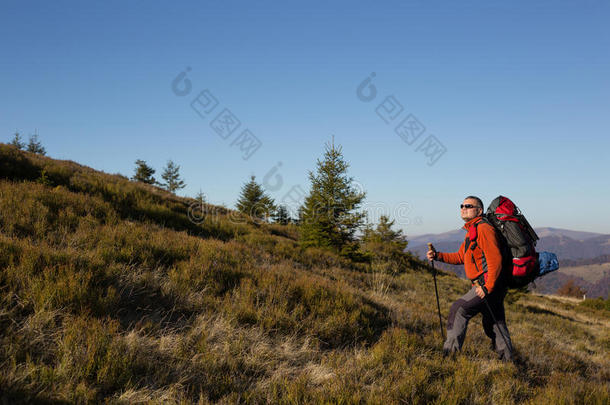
385	246
44	178
144	173
254	202
171	175
201	201
384	233
281	215
35	146
299	219
330	214
17	142
200	197
198	211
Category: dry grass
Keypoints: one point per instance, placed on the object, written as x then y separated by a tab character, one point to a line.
110	294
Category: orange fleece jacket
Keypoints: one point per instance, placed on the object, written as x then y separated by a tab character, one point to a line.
485	255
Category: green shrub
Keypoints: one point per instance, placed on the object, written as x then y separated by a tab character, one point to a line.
596	303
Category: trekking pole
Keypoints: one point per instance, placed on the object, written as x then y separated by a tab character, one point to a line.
493	317
438	305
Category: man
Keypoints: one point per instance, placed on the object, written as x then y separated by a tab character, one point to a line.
480	254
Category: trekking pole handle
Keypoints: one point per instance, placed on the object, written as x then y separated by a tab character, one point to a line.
430	247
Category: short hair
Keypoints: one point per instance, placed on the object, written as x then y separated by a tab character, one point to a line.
478	200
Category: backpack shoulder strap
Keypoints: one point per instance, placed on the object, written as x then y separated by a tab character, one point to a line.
471	239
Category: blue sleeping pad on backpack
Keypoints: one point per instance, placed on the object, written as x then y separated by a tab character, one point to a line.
548	262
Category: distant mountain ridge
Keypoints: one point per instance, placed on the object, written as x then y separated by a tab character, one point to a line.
576	235
566	243
450	236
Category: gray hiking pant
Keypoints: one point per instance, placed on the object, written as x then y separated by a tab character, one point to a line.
468	306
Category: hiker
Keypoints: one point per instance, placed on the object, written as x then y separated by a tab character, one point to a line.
483	265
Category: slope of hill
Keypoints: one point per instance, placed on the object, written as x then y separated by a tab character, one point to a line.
110	293
595	285
568	248
591	273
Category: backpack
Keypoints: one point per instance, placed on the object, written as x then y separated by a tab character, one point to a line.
517	238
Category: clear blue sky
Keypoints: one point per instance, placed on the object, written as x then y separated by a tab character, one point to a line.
518	93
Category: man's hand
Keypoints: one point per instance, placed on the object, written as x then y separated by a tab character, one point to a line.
480	291
431	252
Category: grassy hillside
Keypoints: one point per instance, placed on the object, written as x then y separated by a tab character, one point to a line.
109	293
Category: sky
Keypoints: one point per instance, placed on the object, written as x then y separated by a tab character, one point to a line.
430	101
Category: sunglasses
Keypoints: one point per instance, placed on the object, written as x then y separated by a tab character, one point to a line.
462	206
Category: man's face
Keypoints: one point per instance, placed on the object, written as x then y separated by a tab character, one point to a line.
470	213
